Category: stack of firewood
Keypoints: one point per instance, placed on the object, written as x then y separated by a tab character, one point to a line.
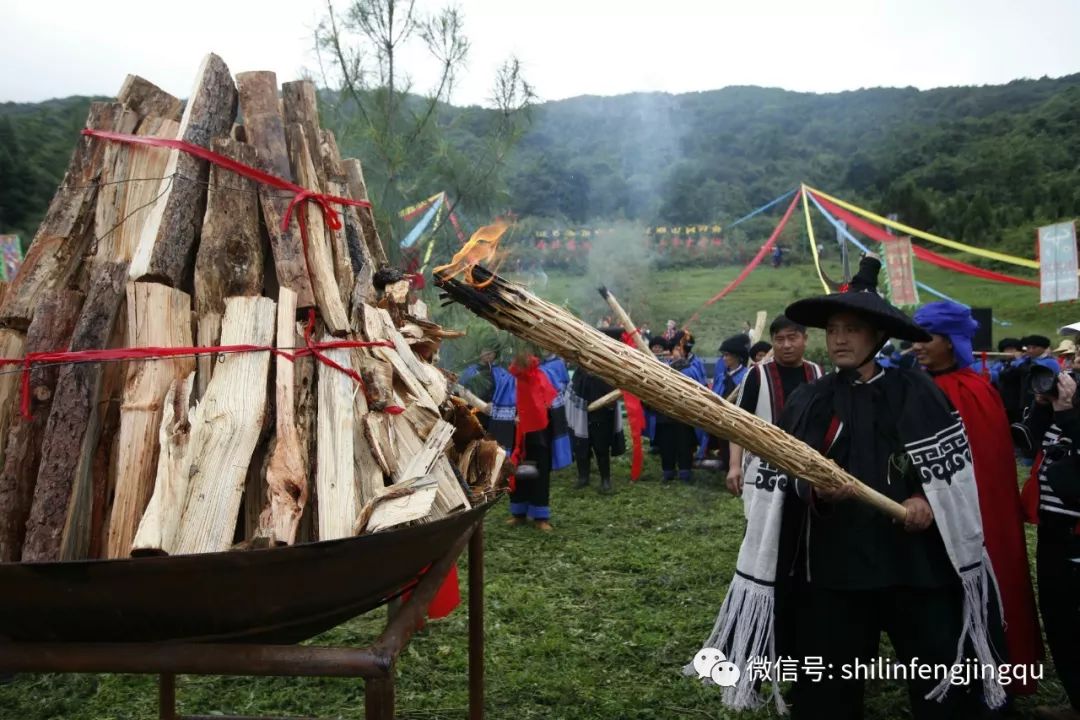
153	247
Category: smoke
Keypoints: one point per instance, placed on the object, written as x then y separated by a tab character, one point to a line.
622	260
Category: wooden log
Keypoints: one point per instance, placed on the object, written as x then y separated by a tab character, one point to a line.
344	272
265	128
319	252
349	241
12	345
370	231
59	523
335	479
629	328
50	329
158	528
420	467
208	334
109	206
421	422
300	106
147	99
103	461
286	471
123	208
624	319
383	449
367	471
165	244
158	316
256	495
225	429
304	407
64	235
229	261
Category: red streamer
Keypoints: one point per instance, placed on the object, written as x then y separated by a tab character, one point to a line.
635	415
157	353
300	194
753	263
873	232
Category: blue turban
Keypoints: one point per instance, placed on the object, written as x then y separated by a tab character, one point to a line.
955	322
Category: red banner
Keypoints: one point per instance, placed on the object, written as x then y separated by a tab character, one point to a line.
873	232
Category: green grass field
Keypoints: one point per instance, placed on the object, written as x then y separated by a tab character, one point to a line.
592	621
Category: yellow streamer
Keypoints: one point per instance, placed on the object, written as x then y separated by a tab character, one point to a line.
421	204
929	237
813	243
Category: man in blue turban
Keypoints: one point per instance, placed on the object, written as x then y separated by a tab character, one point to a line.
947	357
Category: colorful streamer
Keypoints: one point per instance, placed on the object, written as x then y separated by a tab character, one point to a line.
421	226
763	208
853	240
750	267
813	243
875	233
413	210
929	237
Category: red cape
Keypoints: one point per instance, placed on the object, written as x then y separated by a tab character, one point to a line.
983	413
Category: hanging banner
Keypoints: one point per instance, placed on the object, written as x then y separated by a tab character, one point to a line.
10	256
900	272
1057	263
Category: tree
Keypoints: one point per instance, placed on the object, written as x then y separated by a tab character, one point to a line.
407	144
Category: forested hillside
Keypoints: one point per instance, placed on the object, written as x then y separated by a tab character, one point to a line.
979	164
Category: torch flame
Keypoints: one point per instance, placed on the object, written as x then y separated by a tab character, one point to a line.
479	249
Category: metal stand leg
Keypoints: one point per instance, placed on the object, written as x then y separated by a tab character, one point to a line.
167	696
476	624
379	699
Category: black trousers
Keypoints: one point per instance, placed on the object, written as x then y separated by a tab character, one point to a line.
677	442
531	496
844	627
599	444
1059	599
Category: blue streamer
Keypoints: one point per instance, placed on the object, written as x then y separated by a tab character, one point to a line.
851	238
763	208
421	226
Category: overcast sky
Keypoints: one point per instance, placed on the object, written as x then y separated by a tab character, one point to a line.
54	48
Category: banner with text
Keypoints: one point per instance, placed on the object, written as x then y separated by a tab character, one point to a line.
900	272
1058	280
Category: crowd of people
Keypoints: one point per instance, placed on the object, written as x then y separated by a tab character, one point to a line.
821	574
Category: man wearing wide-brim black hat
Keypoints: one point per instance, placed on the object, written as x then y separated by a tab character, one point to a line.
828	573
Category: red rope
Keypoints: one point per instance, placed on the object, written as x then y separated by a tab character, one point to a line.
157	353
300	194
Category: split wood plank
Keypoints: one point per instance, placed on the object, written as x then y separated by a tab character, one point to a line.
225	429
50	329
59	524
169	234
286	470
158	316
229	260
265	129
338	499
160	523
319	252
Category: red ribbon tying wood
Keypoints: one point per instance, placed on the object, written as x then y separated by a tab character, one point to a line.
156	353
300	194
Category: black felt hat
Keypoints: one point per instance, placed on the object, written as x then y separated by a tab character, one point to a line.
861	298
1036	341
737	345
1009	342
760	347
